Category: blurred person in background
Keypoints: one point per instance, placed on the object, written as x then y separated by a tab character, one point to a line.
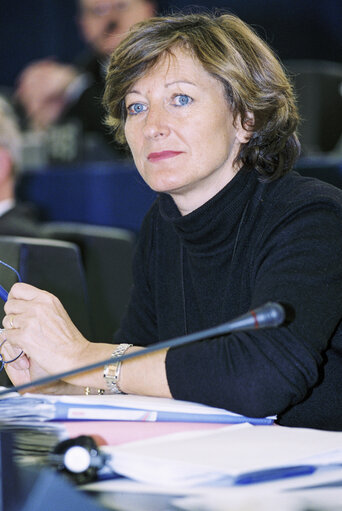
18	219
54	93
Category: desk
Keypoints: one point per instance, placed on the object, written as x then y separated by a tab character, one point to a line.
167	487
101	193
176	443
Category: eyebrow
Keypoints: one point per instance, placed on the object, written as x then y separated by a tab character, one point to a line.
134	91
180	81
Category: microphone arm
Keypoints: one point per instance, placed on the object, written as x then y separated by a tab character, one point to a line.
269	315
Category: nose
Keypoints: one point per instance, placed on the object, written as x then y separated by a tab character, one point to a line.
156	123
111	26
112	16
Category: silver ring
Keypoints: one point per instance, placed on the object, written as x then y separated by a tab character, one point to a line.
11	321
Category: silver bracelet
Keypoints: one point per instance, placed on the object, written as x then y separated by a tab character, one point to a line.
112	371
88	391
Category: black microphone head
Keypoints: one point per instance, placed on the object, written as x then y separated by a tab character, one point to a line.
270	315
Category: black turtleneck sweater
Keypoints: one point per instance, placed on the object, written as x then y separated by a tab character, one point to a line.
250	244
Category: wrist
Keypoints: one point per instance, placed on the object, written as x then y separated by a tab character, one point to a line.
90	353
112	371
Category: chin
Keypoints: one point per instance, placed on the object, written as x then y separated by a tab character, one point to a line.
162	186
159	185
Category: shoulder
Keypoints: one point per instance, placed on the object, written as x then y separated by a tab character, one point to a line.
293	192
295	208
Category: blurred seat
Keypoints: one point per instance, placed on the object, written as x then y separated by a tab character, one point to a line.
97	193
326	168
107	258
54	266
318	86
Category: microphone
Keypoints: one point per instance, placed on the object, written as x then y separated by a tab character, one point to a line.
269	315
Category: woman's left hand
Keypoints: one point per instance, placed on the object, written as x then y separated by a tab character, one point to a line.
37	323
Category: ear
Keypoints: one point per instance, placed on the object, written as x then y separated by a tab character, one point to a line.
5	164
245	130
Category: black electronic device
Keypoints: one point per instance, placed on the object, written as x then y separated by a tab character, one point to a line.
30	489
79	458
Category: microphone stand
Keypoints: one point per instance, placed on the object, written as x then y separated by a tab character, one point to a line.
269	315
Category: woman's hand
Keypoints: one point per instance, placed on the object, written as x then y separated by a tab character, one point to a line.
37	323
23	371
18	371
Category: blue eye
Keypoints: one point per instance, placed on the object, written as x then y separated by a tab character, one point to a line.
182	100
136	108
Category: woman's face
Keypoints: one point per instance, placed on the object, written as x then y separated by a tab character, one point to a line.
180	130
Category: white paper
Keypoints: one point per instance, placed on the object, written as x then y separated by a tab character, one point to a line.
191	458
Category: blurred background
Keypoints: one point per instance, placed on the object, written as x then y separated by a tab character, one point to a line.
305	34
304	29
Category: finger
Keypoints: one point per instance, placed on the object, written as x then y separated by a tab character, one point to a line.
9	353
15	307
22	296
17	377
11	339
8	322
23	291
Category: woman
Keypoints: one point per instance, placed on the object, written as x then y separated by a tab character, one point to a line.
209	116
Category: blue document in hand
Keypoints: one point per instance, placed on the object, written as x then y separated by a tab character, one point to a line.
115	407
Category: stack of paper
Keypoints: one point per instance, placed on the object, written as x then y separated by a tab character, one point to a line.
236	455
41	407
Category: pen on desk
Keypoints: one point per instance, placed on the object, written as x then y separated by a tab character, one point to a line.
272	474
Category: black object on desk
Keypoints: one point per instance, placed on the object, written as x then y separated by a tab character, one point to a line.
30	489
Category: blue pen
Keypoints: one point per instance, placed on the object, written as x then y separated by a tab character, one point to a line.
3	292
271	474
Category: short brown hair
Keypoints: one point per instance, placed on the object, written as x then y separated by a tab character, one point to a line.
231	51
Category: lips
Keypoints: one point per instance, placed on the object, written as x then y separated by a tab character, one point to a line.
163	155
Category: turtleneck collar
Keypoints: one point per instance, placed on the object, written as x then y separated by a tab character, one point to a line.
206	229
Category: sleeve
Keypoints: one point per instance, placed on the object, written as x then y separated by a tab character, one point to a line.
297	262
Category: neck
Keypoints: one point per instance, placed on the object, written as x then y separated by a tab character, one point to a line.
188	200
